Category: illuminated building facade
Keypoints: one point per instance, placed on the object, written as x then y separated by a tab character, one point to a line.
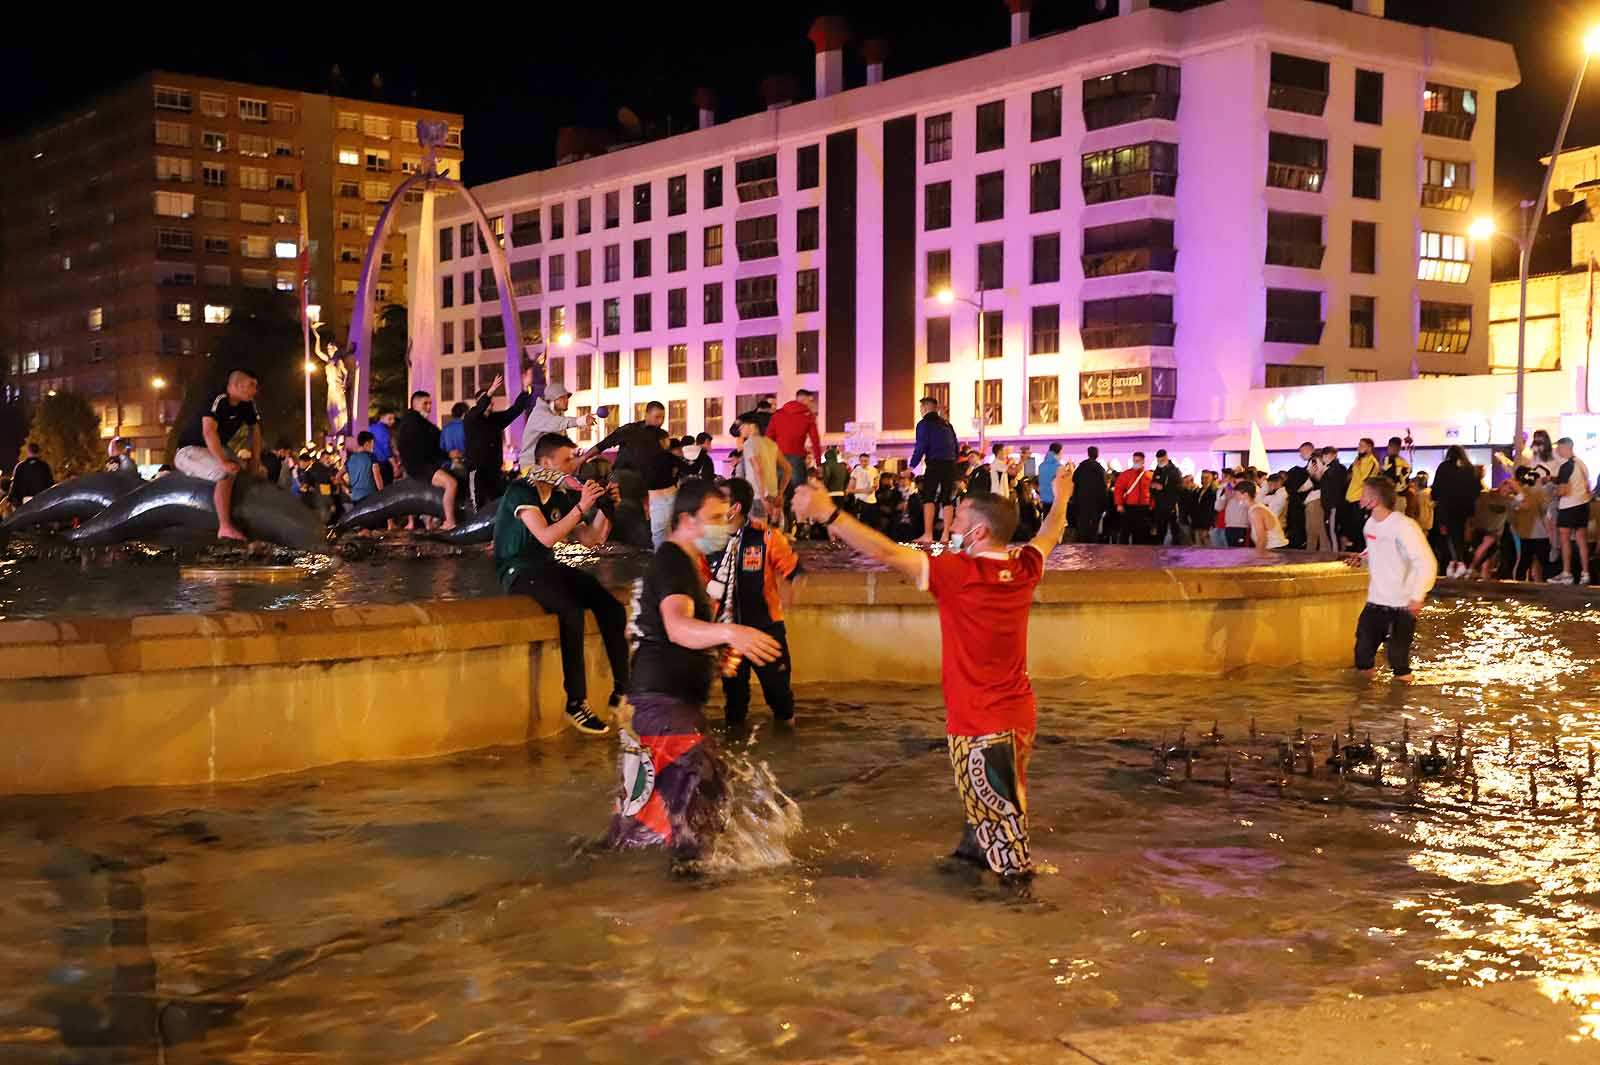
134	223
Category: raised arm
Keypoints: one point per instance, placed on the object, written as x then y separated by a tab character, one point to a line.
1055	522
813	502
686	630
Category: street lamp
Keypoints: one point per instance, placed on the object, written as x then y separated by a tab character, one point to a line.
158	383
1591	44
947	297
566	340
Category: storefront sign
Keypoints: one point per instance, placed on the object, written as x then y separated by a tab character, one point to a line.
1135	392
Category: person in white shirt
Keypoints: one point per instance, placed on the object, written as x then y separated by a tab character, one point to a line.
1572	513
1276	497
1401	568
863	487
1266	531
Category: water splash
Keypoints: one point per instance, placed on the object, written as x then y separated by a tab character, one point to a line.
761	819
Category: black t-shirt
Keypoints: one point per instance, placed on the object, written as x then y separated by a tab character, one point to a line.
229	417
659	665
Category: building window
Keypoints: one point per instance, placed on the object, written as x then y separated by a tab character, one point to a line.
447	291
1044	186
677	251
488	289
611	312
756	297
1369	97
641	312
937	271
677	417
175	134
377	160
711	303
641	366
215	177
1367	167
1046	258
585	215
585	260
807	344
756	356
1443	257
1294	316
468	234
807	229
641	257
525	278
756	179
469	289
992	265
641	203
447	339
1446	184
711	253
806	287
1363	321
711	361
1149	169
1363	247
214	105
677	365
936	205
530	327
939	392
1044	400
712	422
1361	375
939	339
178	205
283	112
1286	375
807	167
613	209
611	367
1299	163
585	373
936	136
1044	336
375	126
1129	248
558	221
1046	114
447	243
558	273
613	263
1131	95
677	308
585	316
1298	84
168	99
711	187
756	238
677	195
990	198
1294	240
991	126
173	169
218	142
987	397
1449	112
1127	321
992	327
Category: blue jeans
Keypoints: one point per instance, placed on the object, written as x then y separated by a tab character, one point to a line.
660	519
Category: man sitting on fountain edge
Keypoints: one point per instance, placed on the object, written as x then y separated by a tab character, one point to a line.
203	445
984	588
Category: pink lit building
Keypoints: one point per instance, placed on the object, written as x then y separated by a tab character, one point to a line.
1166	216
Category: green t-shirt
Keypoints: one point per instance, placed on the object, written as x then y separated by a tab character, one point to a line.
515	547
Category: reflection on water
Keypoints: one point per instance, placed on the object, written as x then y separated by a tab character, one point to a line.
446	911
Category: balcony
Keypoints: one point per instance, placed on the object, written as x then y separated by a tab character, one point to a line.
1294	331
1298	253
1127	186
1127	335
1297	98
1116	261
1446	198
1452	124
1295	176
762	248
1450	271
1117	110
1443	341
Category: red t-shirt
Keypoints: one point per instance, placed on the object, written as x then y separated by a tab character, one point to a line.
983	623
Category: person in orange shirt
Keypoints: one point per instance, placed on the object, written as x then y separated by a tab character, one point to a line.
752	577
1132	496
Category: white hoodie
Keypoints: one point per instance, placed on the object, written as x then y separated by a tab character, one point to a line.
1401	563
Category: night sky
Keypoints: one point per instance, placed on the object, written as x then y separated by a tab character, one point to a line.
578	64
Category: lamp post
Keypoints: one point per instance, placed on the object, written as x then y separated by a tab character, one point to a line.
1530	230
947	297
566	340
158	384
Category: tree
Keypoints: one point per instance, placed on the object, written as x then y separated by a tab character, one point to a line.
390	355
13	431
67	430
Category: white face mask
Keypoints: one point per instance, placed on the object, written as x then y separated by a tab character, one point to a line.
714	538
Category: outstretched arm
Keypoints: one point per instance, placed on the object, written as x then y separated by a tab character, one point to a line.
813	502
1055	522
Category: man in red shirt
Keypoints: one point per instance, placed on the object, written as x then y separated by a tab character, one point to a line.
1132	496
984	587
793	426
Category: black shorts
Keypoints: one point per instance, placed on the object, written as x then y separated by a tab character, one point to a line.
939	483
1573	517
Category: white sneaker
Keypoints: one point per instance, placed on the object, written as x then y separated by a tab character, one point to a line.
1561	578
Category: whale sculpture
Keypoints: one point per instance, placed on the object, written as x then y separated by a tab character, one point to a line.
406	497
262	512
72	499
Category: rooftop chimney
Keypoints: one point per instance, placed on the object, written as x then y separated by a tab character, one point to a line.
706	101
778	90
1020	12
829	33
874	52
1369	7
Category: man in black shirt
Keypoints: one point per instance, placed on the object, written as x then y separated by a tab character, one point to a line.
1166	490
417	440
1297	482
1089	497
485	430
30	477
534	516
672	779
203	449
642	453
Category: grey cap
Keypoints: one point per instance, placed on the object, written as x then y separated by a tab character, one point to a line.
556	390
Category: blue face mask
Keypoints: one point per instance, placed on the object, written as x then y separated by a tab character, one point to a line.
714	539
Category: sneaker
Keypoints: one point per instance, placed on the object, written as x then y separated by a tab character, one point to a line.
587	721
1561	578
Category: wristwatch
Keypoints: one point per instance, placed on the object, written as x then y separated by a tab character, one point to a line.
833	517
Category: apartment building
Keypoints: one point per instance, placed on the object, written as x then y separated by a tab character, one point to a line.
1115	234
134	223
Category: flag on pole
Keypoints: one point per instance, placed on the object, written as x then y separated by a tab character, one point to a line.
1258	447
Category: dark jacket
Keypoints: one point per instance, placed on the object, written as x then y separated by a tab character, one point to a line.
639	449
417	441
1455	490
936	439
1166	485
1335	479
1089	485
485	430
31	476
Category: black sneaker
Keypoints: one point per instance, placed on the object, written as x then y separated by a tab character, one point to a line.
587	721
